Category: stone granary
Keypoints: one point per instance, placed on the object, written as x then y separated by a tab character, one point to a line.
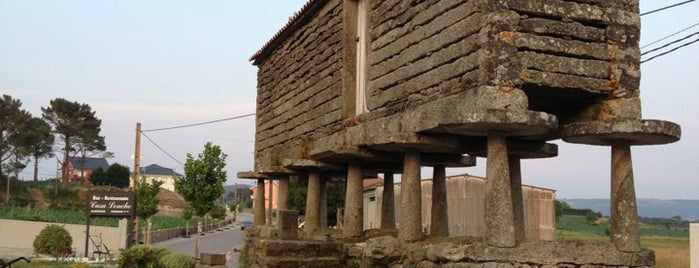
355	87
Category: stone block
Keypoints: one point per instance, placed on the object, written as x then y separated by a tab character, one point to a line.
212	259
288	224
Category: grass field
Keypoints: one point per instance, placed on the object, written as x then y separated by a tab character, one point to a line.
671	245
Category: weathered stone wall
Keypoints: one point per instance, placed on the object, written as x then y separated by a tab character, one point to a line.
299	87
421	50
389	252
563	54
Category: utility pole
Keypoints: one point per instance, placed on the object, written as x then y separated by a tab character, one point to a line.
136	174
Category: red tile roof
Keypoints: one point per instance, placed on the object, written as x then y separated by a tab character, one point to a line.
294	23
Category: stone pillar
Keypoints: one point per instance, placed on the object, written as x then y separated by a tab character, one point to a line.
439	222
323	204
410	228
694	245
259	206
517	197
388	213
283	194
354	219
312	203
270	207
624	222
499	217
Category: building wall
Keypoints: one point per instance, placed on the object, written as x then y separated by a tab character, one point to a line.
275	195
168	181
465	195
299	89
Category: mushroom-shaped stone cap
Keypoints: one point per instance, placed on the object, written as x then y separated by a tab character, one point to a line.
482	122
633	131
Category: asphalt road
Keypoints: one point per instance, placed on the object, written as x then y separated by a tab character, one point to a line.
220	241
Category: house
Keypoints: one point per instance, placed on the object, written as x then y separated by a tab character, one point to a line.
155	172
349	88
80	168
465	196
272	187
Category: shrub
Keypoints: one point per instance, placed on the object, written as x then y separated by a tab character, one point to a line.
177	260
142	256
53	240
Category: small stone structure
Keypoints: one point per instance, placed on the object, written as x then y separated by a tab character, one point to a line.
350	88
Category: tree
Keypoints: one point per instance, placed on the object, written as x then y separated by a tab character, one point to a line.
77	127
335	197
39	141
203	182
99	177
219	212
12	118
560	207
118	175
147	204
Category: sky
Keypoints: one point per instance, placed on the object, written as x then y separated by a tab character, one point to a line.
173	63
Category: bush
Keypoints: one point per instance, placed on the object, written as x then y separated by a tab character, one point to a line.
177	260
53	240
142	256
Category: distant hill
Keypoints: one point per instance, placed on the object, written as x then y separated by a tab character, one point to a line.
653	208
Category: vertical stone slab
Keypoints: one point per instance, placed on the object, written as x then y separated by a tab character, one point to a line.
624	213
439	223
499	217
694	245
312	204
388	213
517	197
288	224
283	194
354	218
323	204
410	227
259	207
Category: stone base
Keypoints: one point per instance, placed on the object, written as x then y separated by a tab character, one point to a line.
388	251
382	251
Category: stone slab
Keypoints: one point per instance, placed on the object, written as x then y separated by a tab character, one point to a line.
251	175
304	164
480	122
635	132
212	259
519	148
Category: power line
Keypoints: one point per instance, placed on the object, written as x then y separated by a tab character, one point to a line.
669	44
161	149
663	8
671	50
199	124
666	37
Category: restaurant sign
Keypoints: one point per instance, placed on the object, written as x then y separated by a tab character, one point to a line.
111	204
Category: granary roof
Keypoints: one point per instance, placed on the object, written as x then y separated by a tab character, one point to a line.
295	22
